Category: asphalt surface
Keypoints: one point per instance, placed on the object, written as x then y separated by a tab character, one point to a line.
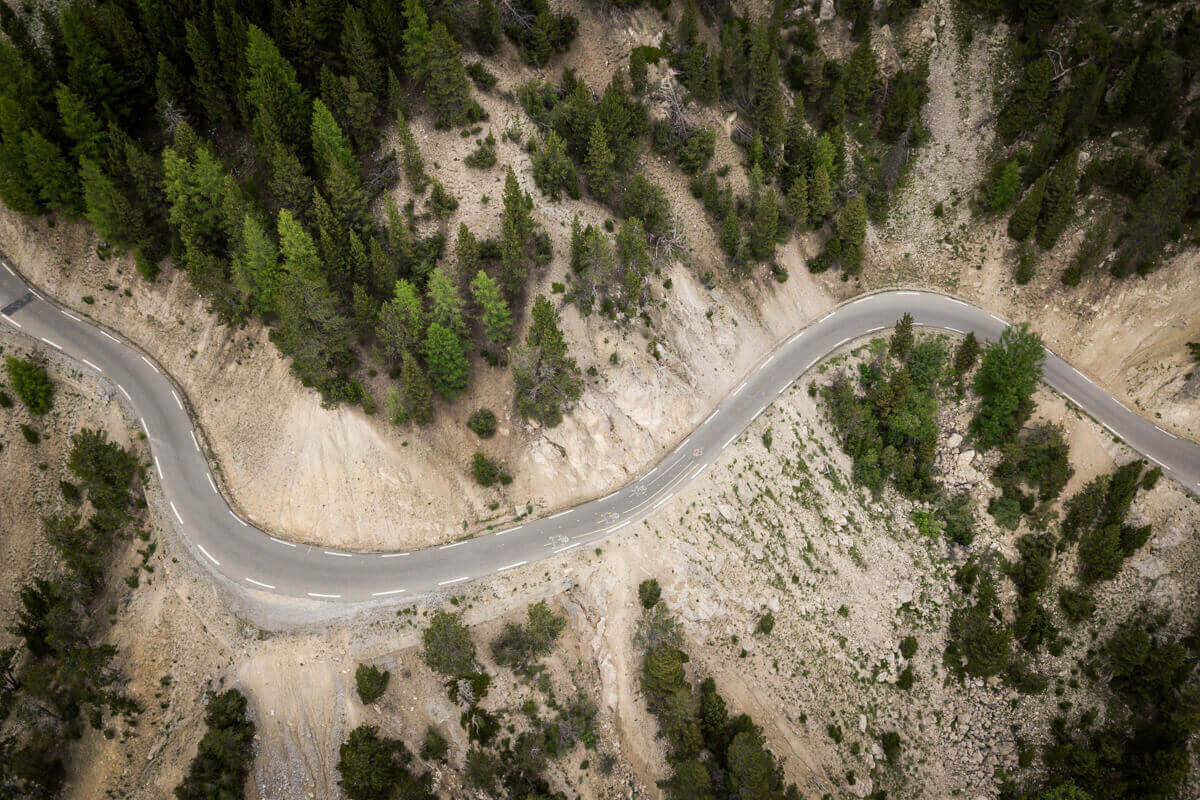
253	560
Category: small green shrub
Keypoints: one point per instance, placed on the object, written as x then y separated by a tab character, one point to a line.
766	623
649	593
487	472
890	742
906	680
370	682
5	400
908	646
31	436
434	748
483	423
835	733
31	384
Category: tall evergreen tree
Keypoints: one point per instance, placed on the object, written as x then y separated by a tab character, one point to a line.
493	310
415	390
410	156
279	106
402	322
487	31
359	53
516	225
859	77
417	38
634	263
445	304
766	225
447	90
545	378
1058	202
598	166
820	196
1025	215
256	267
447	363
852	230
56	180
1027	101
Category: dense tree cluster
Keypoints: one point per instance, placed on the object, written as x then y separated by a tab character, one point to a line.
226	751
61	675
1112	80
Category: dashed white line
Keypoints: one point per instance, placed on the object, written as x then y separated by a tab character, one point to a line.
909	294
10	270
697	475
452	544
158	467
710	418
618	527
212	483
561	514
570	546
150	363
735	391
953	330
38	296
122	388
195	441
176	511
508	530
731	438
1168	433
769	360
336	553
512	566
454	580
71	316
842	342
208	555
660	503
392	555
797	336
52	344
109	335
260	583
282	542
178	402
90	364
7	318
145	427
325	596
239	519
389	591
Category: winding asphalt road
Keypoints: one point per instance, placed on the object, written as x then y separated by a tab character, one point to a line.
253	560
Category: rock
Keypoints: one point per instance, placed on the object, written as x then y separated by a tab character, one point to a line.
863	787
727	512
954	441
1168	540
905	593
862	723
827	11
1150	567
964	458
773	604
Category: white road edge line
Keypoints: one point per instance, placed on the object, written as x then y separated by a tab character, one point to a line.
72	316
150	363
560	514
508	530
259	583
659	504
282	542
618	527
10	319
335	553
109	335
10	270
145	427
176	510
90	364
52	344
178	402
195	441
710	417
318	594
739	389
389	591
239	519
158	467
454	580
212	483
512	566
122	388
452	544
392	555
697	475
570	546
208	555
731	438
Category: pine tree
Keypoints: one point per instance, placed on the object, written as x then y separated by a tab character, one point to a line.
634	263
289	185
331	148
766	225
710	86
364	310
56	180
448	90
765	90
965	355
622	118
797	201
852	229
1091	250
901	343
1027	101
688	30
487	30
416	391
417	39
516	224
466	253
358	51
280	109
553	172
445	304
81	125
410	156
546	379
576	244
399	234
859	77
637	71
402	322
598	166
1002	184
494	313
255	270
597	263
820	196
447	363
1058	201
103	202
1025	215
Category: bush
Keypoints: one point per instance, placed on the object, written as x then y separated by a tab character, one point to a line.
908	646
370	682
31	384
434	747
483	423
520	646
890	742
487	472
225	753
449	649
5	400
905	680
649	593
766	623
31	435
1077	604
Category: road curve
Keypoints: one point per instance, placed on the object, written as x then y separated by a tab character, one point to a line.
248	558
